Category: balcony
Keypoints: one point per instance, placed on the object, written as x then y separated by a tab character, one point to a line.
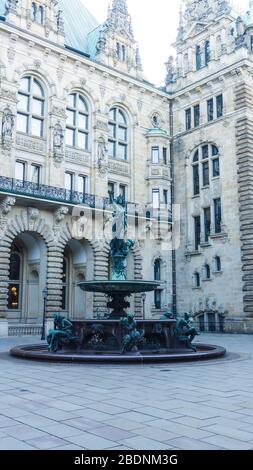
57	195
50	193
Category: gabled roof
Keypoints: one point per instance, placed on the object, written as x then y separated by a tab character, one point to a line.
79	22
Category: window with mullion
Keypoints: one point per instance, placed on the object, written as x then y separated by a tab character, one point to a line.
118	134
77	130
31	107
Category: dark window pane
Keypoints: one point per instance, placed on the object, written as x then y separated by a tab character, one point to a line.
14	267
205	153
22	123
216	167
210	110
196	157
196	115
207	222
218	263
122	151
207	271
158	299
215	150
188	119
217	215
198	58
207	52
157	270
219	106
197	231
165	155
112	149
206	174
195	180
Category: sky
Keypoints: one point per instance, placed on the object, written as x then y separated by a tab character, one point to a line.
155	24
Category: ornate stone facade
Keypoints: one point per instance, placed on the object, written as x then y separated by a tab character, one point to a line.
55	177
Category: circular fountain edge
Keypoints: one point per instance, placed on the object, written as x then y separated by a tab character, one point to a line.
40	352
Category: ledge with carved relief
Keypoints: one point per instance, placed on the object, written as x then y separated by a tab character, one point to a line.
31	144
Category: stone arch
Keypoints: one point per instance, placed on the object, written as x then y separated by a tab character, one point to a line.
40	73
24	222
85	91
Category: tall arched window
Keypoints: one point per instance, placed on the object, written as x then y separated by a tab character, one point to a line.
77	130
118	134
14	291
31	107
205	164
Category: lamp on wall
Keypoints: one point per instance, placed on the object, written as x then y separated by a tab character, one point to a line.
44	295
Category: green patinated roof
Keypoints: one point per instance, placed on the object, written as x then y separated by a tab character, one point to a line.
79	22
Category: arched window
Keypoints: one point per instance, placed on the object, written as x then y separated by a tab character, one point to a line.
34	11
197	280
14	291
217	263
205	162
118	134
31	107
157	270
77	130
207	52
41	15
207	271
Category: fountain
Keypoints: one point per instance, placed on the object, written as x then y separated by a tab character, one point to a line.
119	338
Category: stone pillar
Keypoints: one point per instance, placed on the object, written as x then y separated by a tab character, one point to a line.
101	272
4	276
54	281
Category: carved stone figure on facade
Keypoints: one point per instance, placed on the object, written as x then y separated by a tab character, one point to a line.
11	5
58	141
61	335
6	205
60	22
132	337
102	156
7	128
60	214
170	67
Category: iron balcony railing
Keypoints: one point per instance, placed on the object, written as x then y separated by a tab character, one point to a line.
52	193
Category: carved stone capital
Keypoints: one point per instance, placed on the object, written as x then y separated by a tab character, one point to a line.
6	205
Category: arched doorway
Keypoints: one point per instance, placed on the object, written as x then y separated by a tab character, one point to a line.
77	267
27	279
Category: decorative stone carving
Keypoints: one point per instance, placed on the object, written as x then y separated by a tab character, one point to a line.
31	144
58	141
170	67
11	5
60	22
7	205
8	95
77	156
118	168
156	120
33	214
60	214
103	126
7	129
102	156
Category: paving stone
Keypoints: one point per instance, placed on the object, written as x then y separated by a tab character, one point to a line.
143	443
46	443
186	443
9	443
91	442
113	433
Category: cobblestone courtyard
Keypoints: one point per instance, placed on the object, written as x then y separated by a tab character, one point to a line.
201	406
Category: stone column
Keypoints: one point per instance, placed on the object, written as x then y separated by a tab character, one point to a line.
4	276
54	284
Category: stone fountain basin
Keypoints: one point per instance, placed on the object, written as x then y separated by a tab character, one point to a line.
119	287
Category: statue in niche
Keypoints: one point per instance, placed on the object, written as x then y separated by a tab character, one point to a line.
58	136
102	156
7	126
